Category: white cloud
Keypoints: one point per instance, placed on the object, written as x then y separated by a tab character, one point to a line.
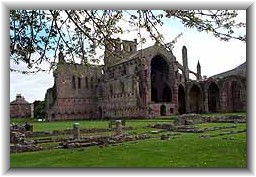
215	56
31	86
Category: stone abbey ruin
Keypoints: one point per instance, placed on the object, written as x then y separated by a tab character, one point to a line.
140	83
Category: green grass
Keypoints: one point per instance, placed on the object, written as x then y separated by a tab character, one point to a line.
22	120
62	125
181	152
240	126
207	125
225	114
184	150
236	137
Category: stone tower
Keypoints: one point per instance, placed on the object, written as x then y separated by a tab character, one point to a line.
199	76
185	63
61	57
117	49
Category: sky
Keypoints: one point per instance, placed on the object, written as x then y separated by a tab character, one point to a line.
215	56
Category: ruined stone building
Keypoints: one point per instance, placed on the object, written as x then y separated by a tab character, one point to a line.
145	83
20	108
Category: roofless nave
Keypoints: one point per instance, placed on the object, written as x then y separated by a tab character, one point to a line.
145	83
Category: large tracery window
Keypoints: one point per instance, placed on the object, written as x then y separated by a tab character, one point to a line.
160	90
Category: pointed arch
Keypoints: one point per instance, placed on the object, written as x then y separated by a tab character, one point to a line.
160	90
235	97
233	94
195	99
213	93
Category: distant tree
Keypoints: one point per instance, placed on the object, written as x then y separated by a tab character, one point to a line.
79	32
39	109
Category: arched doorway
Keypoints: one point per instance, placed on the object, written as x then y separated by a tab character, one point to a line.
160	91
213	97
195	99
163	110
181	100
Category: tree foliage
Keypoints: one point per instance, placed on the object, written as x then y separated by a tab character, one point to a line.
78	33
39	109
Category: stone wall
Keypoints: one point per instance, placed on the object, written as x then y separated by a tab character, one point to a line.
191	119
75	93
143	83
20	108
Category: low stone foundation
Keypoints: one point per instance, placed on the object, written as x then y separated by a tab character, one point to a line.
191	119
101	141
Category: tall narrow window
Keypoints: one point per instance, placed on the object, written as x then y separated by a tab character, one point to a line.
91	82
73	82
79	82
86	82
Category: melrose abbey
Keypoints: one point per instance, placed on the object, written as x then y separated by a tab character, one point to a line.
140	84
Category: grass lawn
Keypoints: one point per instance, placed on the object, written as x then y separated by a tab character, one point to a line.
183	150
62	125
48	126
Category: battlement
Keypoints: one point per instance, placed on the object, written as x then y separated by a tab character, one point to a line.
116	49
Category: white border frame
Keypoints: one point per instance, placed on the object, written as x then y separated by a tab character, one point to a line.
6	5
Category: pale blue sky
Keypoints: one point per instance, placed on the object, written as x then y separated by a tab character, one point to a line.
214	55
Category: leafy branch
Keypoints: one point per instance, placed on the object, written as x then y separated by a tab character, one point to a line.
79	33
